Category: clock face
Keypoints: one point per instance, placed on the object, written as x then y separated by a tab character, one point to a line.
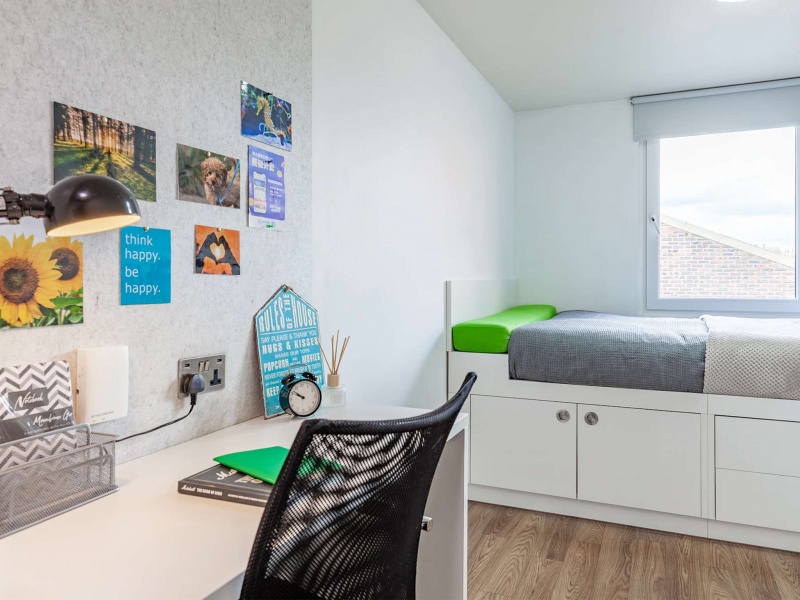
304	398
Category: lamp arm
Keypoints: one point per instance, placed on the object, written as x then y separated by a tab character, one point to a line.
14	206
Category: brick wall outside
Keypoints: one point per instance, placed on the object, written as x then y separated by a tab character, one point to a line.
693	266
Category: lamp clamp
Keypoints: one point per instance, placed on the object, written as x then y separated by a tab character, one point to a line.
14	206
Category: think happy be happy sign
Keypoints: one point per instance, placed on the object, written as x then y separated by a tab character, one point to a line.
145	257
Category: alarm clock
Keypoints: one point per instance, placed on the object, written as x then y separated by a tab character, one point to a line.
300	395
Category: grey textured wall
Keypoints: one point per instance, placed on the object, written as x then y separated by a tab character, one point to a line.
173	67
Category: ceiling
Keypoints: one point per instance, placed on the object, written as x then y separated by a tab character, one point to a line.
544	53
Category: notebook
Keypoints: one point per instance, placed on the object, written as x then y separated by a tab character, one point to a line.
35	399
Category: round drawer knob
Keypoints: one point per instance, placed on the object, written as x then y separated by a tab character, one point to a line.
591	418
562	416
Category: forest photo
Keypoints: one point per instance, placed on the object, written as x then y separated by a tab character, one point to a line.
85	142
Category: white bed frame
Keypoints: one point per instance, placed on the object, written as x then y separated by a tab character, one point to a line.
723	467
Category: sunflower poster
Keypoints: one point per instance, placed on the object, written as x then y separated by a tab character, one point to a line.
41	278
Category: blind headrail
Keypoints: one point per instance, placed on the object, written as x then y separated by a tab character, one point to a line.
717	91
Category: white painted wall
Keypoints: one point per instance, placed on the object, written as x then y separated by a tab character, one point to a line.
579	236
412	185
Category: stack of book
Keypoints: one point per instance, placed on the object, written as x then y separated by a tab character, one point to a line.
223	483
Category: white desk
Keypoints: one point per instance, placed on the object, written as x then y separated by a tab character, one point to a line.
147	541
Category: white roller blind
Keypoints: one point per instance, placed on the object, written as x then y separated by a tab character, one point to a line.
717	110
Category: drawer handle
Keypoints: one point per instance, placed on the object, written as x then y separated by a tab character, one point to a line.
591	418
562	416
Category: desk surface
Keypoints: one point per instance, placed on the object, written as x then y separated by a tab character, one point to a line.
148	541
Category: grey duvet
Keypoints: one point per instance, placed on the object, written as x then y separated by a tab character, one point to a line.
589	348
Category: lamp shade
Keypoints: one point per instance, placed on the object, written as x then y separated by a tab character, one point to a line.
86	204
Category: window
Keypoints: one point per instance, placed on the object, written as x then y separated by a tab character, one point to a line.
722	221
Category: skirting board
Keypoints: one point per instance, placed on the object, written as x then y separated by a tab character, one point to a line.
755	536
634	517
590	510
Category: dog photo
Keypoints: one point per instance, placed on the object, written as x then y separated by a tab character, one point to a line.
266	118
217	251
207	177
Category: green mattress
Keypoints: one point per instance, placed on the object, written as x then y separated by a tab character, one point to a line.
491	334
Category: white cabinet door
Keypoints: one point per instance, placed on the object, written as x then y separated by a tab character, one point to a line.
525	445
647	459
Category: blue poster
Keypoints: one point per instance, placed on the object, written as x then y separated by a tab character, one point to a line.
287	333
145	265
266	190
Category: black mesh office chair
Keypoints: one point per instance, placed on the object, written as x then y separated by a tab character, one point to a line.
345	515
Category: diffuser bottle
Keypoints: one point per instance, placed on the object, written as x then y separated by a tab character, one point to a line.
333	392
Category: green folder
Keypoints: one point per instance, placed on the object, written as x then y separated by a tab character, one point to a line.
266	463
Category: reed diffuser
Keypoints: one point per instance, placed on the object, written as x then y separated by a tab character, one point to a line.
333	392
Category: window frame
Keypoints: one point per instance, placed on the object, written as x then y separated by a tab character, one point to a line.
652	172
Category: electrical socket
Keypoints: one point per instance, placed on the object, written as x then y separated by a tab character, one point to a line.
212	368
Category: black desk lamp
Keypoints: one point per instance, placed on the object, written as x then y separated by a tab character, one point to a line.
76	205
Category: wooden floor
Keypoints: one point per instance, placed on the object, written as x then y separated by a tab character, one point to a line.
517	553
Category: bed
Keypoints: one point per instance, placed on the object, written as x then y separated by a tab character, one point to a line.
687	425
591	348
715	355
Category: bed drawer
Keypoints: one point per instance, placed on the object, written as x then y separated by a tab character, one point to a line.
758	445
758	499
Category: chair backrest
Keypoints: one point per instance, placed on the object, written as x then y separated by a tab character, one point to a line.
345	514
